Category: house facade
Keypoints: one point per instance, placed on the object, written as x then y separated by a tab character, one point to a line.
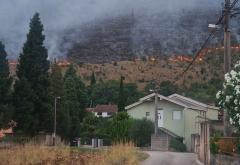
176	114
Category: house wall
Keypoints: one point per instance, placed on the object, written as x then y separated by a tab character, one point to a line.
212	114
104	114
175	126
192	125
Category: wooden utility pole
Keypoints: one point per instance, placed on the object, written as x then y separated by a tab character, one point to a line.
227	55
55	120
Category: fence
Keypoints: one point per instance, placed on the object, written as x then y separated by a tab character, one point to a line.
227	145
41	139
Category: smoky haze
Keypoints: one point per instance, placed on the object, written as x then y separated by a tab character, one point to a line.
60	15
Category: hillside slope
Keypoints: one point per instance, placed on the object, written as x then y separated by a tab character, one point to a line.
143	34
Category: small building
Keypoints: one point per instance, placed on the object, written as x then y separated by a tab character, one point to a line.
103	110
4	132
177	115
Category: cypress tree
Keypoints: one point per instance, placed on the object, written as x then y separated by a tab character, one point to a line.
5	89
93	80
91	88
121	98
74	101
32	73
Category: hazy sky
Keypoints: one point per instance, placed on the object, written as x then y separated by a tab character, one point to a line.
59	15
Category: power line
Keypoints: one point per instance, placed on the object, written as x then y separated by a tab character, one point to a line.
209	36
203	46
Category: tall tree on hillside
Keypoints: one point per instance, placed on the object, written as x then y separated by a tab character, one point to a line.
90	89
5	88
121	98
93	80
74	101
32	72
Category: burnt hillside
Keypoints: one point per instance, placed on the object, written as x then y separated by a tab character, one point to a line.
135	35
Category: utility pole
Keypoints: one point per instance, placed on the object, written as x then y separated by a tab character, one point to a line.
156	113
55	120
227	55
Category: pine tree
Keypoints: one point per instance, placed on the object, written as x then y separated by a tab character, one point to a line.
5	88
121	98
32	73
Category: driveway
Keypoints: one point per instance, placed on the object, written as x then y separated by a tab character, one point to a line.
170	158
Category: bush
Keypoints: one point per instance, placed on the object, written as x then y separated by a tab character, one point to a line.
238	148
140	132
119	127
177	145
213	145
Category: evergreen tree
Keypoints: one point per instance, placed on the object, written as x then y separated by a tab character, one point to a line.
56	81
57	90
121	98
32	73
93	79
91	88
5	88
74	101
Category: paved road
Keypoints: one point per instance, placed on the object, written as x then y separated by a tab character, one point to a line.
170	158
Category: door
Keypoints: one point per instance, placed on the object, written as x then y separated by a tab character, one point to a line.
160	118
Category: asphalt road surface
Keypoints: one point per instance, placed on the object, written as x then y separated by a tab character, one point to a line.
170	158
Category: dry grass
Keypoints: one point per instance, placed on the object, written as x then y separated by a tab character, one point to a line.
31	154
142	73
119	154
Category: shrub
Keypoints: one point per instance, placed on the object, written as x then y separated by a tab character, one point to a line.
177	144
140	132
119	127
238	147
213	143
115	63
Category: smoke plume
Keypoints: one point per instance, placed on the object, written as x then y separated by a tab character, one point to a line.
60	15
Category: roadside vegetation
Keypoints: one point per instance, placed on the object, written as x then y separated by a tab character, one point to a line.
119	153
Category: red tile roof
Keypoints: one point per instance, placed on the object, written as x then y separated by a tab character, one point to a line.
104	108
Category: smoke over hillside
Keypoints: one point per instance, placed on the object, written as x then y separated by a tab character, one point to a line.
59	16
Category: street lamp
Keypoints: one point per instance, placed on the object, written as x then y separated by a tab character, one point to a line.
55	119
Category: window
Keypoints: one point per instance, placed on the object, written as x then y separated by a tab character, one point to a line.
147	114
177	115
99	113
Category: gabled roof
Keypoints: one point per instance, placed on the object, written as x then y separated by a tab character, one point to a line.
104	108
191	103
175	99
149	97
